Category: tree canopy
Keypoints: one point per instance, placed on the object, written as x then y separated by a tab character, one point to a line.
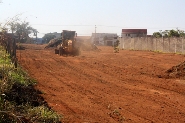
22	30
173	33
169	33
18	27
157	34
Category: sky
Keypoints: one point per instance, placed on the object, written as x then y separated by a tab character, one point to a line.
109	16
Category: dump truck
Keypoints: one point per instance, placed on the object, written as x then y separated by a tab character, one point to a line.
69	44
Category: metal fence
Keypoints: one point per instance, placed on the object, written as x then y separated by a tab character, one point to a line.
166	45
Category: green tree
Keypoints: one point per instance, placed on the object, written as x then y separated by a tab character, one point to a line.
157	34
169	33
47	37
11	22
165	33
12	26
181	33
173	33
23	30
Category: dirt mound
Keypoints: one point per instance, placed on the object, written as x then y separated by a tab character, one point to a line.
53	43
176	71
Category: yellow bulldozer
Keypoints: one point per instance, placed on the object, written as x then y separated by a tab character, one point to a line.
69	45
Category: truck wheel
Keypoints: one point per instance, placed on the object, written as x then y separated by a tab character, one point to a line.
56	51
61	51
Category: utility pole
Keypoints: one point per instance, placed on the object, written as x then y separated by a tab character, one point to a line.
95	29
95	35
36	37
35	34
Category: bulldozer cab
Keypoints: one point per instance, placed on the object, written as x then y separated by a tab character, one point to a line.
68	35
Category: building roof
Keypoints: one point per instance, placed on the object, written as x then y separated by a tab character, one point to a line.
134	31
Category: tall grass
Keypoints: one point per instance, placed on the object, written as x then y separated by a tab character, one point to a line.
19	101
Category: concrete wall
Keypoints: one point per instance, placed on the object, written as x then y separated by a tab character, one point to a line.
166	45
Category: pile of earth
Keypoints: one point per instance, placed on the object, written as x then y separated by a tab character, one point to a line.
176	71
84	45
53	43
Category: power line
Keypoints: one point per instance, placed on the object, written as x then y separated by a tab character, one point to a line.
111	26
107	26
59	25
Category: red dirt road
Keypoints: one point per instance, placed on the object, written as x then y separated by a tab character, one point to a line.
107	87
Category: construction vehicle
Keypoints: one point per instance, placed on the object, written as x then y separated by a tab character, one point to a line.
53	43
68	45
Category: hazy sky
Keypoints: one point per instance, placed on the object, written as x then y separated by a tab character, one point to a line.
110	16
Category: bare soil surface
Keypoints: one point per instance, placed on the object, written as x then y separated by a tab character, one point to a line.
106	87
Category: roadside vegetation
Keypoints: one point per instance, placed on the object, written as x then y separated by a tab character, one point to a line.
169	33
19	101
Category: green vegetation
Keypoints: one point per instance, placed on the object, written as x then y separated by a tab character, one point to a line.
169	33
157	34
19	101
20	29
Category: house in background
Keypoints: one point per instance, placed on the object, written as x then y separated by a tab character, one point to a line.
104	38
37	40
134	32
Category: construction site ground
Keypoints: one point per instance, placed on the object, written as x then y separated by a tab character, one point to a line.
106	87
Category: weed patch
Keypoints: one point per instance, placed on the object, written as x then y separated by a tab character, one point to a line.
20	102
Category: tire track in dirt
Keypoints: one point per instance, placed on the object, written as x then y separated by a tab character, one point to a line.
165	88
46	66
79	82
50	75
